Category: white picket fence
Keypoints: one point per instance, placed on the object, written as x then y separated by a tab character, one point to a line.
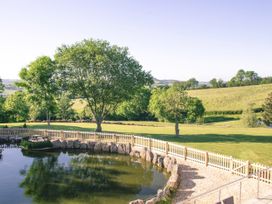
227	163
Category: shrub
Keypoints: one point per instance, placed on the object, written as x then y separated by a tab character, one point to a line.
249	117
35	145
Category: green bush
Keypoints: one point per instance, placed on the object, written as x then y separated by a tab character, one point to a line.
35	145
249	117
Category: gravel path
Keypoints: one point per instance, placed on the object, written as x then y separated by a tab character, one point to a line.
197	179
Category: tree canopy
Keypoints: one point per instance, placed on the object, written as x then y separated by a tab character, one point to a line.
173	104
104	75
267	107
38	79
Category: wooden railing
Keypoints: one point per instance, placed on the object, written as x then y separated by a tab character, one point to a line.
227	163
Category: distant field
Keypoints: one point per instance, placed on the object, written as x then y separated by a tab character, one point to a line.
223	99
227	137
235	98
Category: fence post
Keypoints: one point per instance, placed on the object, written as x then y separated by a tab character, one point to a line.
62	135
231	164
185	153
206	158
149	144
247	168
166	148
132	140
115	138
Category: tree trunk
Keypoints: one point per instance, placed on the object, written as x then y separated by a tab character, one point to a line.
48	118
98	124
177	127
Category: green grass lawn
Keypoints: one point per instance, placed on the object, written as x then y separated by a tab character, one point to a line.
227	137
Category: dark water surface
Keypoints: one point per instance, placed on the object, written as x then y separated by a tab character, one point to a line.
75	177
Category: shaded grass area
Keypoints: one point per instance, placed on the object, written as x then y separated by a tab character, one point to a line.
226	137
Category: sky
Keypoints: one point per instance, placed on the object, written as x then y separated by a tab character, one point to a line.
171	39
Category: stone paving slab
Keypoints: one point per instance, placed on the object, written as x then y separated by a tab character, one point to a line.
197	179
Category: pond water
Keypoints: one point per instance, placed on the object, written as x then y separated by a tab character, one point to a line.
75	177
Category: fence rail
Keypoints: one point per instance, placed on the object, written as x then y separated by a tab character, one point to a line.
227	163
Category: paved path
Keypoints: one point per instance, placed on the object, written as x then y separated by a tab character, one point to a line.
197	179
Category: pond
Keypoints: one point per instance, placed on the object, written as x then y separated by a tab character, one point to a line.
75	177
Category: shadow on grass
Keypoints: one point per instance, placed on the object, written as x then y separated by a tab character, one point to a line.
216	119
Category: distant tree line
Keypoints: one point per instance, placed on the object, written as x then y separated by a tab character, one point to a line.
242	78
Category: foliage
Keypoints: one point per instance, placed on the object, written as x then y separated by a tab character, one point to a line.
102	74
244	78
217	83
17	107
249	118
195	110
174	104
35	145
232	100
64	108
38	79
137	107
267	107
2	86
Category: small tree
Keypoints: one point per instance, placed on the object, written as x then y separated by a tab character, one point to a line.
17	107
249	118
267	107
38	79
170	104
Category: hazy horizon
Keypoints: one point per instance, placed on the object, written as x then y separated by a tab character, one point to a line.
174	40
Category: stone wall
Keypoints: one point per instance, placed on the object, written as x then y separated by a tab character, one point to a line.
160	160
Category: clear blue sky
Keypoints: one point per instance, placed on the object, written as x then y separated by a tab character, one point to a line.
172	39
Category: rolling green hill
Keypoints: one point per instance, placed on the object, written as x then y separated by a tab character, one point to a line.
234	98
223	99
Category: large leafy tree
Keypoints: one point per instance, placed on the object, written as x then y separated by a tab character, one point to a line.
267	114
38	79
17	107
173	104
104	75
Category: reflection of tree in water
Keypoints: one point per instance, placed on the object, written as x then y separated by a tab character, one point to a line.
48	180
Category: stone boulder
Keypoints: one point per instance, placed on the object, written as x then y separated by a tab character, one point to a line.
160	161
91	146
83	145
149	156
166	161
121	148
56	143
70	144
98	147
155	158
77	144
152	201
160	194
105	147
113	148
171	164
173	181
63	144
176	169
128	148
138	201
143	153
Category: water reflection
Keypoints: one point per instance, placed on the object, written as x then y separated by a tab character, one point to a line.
84	178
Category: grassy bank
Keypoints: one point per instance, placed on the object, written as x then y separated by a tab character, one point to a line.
226	137
234	98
